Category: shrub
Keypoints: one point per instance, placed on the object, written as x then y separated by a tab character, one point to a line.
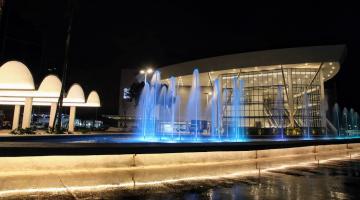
21	131
54	131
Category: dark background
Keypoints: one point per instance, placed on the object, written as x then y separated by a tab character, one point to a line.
108	36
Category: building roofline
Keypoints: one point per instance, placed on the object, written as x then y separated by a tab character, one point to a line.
328	53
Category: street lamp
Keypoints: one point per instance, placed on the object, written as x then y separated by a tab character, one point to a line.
146	72
149	70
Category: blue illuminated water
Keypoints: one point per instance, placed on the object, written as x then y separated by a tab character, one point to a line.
172	104
216	126
306	116
129	138
237	122
149	108
160	116
193	111
279	112
335	117
158	112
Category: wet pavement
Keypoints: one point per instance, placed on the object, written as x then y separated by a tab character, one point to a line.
338	179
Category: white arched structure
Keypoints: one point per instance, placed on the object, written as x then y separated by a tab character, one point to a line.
16	81
17	88
15	75
93	99
74	97
51	88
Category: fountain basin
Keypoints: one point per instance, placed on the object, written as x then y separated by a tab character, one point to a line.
88	172
115	144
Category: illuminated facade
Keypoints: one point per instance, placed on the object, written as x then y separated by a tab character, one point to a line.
280	88
275	97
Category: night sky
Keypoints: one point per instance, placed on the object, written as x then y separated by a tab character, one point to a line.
110	35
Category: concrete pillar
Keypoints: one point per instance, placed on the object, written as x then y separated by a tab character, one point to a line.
53	108
16	117
290	98
27	113
72	119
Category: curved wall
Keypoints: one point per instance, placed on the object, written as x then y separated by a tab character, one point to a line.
331	53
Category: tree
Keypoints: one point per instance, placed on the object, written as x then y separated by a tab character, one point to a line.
135	91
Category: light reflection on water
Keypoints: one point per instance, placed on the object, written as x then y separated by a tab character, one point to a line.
129	139
338	179
332	180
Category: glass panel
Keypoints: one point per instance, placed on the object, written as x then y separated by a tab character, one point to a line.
261	91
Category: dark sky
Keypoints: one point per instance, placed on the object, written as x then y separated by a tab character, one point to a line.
110	35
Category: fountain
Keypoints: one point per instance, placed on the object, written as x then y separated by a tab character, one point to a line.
336	118
306	116
160	116
159	107
149	108
345	123
172	103
163	111
235	110
225	126
216	125
193	111
237	125
356	121
352	119
143	111
279	112
242	130
178	106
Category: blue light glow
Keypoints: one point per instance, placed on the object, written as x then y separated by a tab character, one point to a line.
159	117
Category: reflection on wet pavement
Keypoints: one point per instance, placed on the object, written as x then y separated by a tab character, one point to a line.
339	179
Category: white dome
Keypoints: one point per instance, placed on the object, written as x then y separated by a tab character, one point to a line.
15	75
75	94
93	99
50	86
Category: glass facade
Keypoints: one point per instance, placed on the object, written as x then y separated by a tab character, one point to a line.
275	98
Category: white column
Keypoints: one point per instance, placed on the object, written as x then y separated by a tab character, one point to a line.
27	113
72	119
52	114
16	117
